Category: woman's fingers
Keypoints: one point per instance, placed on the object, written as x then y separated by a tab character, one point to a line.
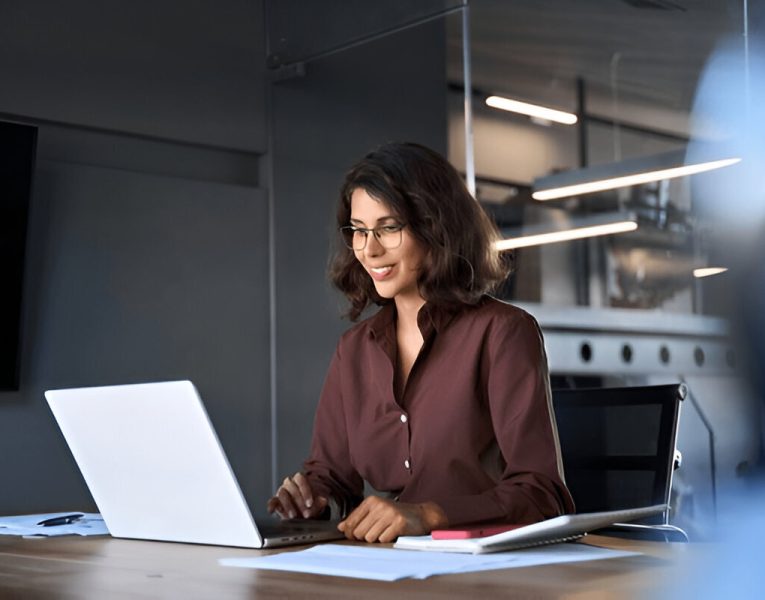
352	521
390	534
295	498
370	518
301	482
375	529
296	493
381	520
289	510
275	506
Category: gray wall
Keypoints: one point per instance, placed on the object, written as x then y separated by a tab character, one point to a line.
176	70
136	277
149	245
148	235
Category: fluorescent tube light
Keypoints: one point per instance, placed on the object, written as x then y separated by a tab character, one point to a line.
622	174
708	271
576	233
531	110
628	180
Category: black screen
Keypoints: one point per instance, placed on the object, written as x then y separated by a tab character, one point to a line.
618	445
17	158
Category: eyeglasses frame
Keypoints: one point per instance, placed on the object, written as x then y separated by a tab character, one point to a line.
376	231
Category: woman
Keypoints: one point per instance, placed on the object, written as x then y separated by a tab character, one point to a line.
441	399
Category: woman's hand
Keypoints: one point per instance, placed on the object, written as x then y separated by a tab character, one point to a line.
294	499
380	520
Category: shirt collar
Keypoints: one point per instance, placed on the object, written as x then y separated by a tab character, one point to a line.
429	316
437	317
383	320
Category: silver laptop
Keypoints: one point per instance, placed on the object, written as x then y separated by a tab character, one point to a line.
157	471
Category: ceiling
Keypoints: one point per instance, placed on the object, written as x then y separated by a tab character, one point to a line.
651	51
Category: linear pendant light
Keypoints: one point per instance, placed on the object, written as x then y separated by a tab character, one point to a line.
708	271
531	110
586	228
622	174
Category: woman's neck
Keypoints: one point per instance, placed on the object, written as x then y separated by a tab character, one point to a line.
407	309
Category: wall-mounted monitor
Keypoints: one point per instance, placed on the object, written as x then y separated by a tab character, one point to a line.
18	145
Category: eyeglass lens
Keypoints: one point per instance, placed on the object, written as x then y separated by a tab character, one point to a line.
388	236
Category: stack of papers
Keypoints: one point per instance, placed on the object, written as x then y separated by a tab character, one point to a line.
384	564
71	524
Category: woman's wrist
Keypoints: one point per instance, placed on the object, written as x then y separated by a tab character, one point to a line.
433	516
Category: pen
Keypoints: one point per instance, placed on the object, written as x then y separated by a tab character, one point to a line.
62	520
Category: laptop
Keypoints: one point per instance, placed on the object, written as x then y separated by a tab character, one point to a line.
156	469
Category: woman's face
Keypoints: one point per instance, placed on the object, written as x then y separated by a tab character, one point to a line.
393	270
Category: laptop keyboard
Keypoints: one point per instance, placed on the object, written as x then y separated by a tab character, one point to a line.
293	526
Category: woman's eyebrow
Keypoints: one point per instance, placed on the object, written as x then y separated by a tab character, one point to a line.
380	220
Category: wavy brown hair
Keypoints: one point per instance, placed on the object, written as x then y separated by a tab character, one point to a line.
427	193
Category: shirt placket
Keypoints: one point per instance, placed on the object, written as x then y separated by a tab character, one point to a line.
388	345
427	330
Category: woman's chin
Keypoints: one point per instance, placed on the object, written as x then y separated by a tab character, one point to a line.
384	291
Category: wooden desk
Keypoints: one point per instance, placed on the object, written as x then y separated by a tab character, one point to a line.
110	568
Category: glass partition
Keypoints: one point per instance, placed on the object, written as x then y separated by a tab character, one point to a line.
629	75
639	87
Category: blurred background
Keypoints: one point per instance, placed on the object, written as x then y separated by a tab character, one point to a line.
181	166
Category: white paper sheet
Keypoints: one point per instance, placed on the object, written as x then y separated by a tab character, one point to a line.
384	564
27	525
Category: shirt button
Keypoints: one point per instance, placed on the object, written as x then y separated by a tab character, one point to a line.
404	418
406	463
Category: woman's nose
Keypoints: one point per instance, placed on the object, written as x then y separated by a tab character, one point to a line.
373	247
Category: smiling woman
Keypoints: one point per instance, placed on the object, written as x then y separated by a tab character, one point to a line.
393	257
440	400
419	189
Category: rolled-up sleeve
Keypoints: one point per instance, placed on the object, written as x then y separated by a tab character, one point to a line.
329	467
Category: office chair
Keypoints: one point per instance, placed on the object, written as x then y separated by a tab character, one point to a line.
618	448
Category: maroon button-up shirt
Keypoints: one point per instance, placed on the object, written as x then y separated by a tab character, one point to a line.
473	431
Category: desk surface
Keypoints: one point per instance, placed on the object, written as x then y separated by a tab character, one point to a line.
104	567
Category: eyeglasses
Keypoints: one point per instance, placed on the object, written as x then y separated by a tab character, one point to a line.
388	235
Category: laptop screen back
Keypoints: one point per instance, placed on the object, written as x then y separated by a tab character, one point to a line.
153	463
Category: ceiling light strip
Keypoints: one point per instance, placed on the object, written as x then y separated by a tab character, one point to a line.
531	110
566	235
708	271
629	180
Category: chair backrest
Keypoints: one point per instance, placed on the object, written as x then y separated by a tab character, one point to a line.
618	445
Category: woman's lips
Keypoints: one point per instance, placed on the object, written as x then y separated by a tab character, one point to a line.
380	273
